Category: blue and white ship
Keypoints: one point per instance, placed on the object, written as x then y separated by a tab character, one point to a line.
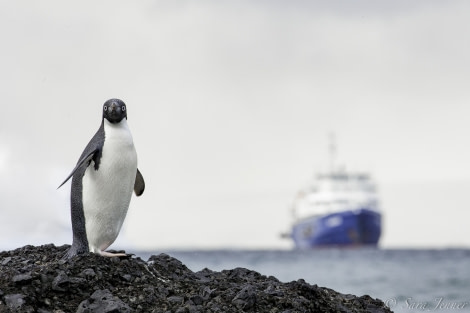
339	209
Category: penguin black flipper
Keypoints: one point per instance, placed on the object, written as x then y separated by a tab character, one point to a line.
139	185
86	159
92	152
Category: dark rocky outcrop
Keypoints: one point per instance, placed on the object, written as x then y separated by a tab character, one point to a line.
36	279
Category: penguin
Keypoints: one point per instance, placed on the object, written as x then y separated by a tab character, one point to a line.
102	183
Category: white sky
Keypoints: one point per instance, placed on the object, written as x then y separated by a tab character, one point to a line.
230	104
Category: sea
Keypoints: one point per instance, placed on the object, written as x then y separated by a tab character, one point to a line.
406	280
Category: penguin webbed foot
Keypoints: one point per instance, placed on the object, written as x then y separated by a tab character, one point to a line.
72	252
113	254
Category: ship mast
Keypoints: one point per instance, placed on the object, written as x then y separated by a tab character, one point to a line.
332	151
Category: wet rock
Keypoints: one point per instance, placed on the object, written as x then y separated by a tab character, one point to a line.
36	279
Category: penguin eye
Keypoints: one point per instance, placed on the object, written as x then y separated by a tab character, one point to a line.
105	108
123	107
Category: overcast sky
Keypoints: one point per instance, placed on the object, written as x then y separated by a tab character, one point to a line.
230	104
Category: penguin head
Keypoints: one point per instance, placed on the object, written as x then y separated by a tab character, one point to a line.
114	110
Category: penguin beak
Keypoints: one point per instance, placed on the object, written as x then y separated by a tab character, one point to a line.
114	110
112	107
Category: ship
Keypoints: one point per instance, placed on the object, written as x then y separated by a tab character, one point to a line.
337	209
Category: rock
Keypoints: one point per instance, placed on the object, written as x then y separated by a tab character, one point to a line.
102	301
14	301
60	280
36	279
245	298
6	260
21	278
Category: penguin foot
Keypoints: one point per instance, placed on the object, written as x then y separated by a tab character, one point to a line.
114	253
68	255
74	251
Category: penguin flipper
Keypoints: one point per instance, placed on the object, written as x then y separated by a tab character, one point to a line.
139	185
86	159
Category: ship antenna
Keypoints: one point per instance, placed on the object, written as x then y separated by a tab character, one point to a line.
332	151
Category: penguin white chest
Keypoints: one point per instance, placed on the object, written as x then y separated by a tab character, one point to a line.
107	191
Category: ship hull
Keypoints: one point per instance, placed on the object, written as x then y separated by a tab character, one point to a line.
349	228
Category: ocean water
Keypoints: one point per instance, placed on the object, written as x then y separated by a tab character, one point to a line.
406	280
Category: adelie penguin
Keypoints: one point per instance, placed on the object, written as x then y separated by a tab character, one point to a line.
102	184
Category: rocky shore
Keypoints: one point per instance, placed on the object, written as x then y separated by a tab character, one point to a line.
36	279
